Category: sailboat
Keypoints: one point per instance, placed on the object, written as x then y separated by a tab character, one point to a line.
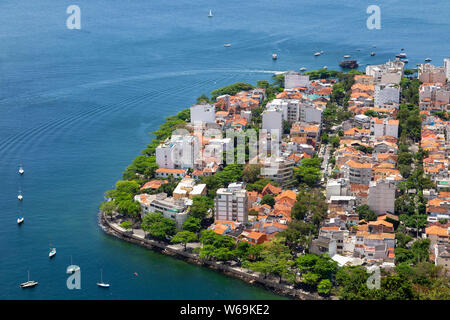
19	196
52	252
72	268
21	171
210	15
29	283
101	284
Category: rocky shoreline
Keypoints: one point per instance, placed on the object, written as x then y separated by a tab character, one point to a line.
252	278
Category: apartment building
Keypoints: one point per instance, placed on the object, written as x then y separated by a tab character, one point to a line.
384	127
356	172
382	196
429	73
385	94
278	169
203	113
231	203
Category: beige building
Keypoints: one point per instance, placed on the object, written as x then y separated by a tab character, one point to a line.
382	196
188	189
231	204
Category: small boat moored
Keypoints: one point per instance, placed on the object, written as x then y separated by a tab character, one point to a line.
317	54
274	56
210	15
227	45
347	56
20	220
427	59
101	284
21	171
52	252
303	69
19	196
29	283
372	54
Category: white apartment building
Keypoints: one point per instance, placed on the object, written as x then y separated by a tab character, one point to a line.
356	172
272	119
447	68
288	107
384	127
231	204
390	72
278	169
382	196
384	94
203	113
178	152
309	113
294	79
175	209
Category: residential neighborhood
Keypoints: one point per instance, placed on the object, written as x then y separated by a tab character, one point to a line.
353	167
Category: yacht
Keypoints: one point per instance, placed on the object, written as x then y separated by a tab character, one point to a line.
101	284
20	220
372	54
274	56
52	252
347	56
427	59
303	69
317	54
21	171
401	55
29	283
227	45
19	196
210	15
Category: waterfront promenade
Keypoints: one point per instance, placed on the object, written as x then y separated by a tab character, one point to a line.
137	236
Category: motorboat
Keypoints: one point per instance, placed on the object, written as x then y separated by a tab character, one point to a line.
21	171
20	220
317	54
303	69
227	45
19	196
347	56
52	253
427	59
274	56
372	53
401	55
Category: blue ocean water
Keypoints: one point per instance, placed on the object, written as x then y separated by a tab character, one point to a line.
76	106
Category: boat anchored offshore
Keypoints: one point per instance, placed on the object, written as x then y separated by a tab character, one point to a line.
72	268
21	171
372	54
52	252
303	69
101	284
227	45
210	15
427	59
351	64
20	220
317	54
274	56
347	56
29	283
19	196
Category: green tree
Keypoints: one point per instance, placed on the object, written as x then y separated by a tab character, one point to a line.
324	287
268	199
184	237
192	224
158	226
364	212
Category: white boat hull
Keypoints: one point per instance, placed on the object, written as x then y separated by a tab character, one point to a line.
20	220
28	284
103	285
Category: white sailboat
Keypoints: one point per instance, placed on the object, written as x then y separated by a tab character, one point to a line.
210	15
72	268
29	283
19	196
21	171
101	284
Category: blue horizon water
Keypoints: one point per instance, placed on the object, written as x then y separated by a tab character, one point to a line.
76	107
